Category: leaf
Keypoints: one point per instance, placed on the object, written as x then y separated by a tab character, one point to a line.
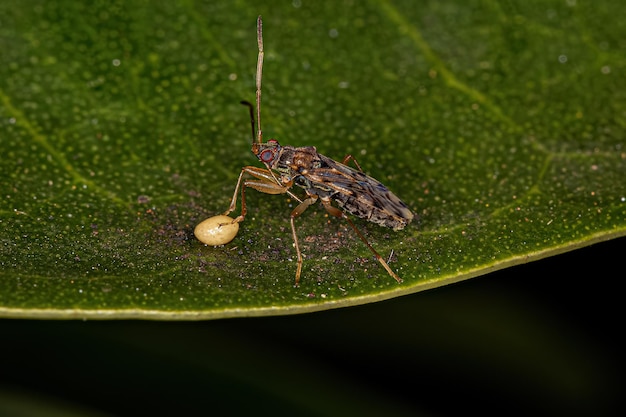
502	126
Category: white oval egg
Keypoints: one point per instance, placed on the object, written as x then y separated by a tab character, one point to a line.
216	230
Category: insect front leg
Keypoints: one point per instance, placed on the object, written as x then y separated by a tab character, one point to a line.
295	213
266	183
334	211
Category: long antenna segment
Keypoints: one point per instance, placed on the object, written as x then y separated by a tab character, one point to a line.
259	75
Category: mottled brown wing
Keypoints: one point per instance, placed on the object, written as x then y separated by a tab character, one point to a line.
359	194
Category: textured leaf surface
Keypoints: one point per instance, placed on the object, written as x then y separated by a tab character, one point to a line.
502	126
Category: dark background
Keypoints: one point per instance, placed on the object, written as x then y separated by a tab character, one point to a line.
540	338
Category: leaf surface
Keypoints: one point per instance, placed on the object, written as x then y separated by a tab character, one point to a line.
501	126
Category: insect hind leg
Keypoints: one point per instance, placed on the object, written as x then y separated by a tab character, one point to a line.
334	211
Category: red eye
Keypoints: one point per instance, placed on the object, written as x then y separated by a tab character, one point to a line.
266	156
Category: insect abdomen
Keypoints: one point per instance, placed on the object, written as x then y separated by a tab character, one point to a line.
384	209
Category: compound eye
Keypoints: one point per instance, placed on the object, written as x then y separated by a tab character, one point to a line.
266	156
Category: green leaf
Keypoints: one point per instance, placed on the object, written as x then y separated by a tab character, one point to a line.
501	126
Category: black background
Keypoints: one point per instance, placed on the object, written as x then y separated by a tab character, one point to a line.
540	338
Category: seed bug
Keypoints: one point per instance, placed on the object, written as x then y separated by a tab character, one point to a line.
321	177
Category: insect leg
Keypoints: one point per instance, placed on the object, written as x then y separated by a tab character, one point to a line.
349	158
338	213
267	184
295	213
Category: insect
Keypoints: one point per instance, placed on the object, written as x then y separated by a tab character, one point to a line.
322	179
216	230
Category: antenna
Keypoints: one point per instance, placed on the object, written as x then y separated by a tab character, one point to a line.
257	136
259	75
251	109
